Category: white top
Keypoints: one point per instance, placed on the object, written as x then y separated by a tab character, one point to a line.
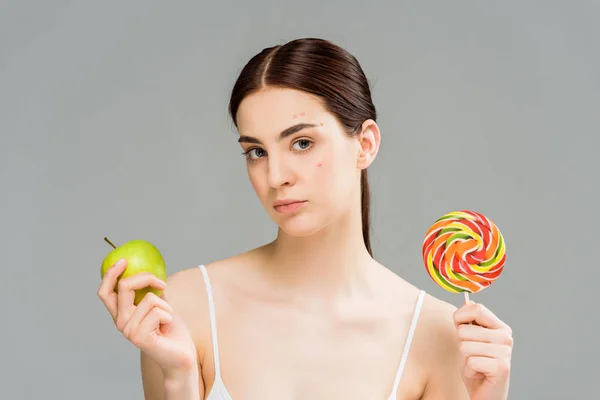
219	391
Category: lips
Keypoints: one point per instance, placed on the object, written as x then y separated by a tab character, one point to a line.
288	205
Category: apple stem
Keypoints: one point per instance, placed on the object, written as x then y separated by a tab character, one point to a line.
109	242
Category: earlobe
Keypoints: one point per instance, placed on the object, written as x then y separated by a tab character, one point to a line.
369	140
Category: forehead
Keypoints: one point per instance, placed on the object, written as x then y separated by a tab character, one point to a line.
273	109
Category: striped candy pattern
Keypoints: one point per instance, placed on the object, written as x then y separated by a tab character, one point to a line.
464	251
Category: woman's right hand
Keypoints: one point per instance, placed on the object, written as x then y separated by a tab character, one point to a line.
152	326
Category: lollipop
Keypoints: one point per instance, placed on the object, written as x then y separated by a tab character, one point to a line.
464	251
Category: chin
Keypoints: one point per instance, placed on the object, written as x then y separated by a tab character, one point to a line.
299	225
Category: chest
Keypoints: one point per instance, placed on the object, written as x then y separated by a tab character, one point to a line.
285	353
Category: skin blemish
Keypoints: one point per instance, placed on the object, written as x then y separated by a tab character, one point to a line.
294	116
302	114
321	124
319	164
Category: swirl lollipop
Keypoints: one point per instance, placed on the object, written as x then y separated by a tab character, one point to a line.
464	251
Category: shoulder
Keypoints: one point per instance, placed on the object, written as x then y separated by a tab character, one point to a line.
186	289
437	326
186	292
187	285
437	345
435	331
435	337
433	363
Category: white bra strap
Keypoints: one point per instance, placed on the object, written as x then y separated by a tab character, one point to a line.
213	322
409	339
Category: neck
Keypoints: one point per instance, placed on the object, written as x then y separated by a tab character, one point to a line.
331	263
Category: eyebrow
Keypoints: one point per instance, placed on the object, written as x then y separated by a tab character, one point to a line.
285	133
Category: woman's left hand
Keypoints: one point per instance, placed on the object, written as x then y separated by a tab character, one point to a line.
485	344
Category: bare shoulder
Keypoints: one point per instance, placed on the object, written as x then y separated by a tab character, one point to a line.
186	289
439	314
437	345
186	292
435	338
437	327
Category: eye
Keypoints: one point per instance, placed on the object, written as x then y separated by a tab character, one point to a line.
302	144
255	153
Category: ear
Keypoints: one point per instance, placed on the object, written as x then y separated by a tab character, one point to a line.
369	139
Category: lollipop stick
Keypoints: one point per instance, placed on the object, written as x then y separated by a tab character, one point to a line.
467	301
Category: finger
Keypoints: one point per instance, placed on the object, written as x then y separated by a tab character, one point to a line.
126	295
471	372
106	291
149	302
490	367
478	314
147	331
480	349
475	333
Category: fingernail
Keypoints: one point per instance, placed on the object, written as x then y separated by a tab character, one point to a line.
120	263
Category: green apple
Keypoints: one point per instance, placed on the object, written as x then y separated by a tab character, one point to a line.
141	256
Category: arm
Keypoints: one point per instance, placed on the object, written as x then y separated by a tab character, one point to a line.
183	386
473	355
445	376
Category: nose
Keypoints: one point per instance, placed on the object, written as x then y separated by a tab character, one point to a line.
280	173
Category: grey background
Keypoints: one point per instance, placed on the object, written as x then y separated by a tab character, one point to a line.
113	122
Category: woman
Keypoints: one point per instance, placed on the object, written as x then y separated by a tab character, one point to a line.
310	315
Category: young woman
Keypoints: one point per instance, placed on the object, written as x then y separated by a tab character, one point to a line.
310	315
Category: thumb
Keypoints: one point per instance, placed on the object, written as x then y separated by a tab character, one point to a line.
470	373
165	328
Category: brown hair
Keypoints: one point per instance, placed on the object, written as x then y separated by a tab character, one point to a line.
321	68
